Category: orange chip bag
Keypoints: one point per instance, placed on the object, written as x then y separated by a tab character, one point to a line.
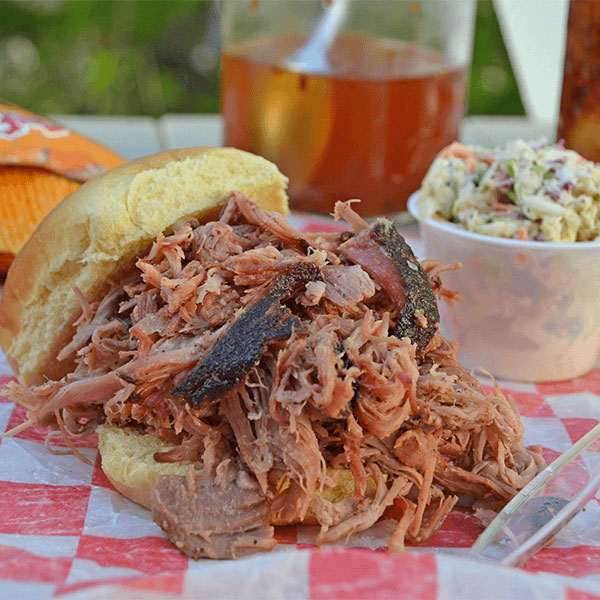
41	162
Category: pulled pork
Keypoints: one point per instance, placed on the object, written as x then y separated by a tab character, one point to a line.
273	360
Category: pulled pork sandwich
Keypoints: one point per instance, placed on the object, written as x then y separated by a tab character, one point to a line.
242	374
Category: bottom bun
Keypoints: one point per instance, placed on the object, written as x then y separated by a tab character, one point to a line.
128	463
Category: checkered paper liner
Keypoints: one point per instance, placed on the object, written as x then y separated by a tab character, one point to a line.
66	533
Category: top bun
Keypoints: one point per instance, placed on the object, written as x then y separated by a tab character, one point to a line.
98	229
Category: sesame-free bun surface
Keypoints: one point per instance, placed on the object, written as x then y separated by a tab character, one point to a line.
101	227
128	463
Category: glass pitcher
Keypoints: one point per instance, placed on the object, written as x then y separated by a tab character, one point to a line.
367	127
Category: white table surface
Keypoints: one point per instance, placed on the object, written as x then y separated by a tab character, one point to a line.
138	136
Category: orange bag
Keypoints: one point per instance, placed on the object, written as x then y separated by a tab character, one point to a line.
41	162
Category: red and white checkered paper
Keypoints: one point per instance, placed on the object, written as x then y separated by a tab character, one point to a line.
66	533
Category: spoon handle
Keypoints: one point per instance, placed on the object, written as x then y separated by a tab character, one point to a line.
312	56
540	510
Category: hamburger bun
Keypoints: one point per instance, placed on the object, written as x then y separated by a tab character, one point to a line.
128	463
87	239
98	230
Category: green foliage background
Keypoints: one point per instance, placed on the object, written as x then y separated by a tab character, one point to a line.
149	57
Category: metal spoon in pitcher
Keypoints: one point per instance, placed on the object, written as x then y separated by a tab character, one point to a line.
312	56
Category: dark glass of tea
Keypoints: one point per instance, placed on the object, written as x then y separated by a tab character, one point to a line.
391	96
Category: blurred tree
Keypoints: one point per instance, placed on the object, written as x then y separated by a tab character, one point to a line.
150	57
493	89
108	57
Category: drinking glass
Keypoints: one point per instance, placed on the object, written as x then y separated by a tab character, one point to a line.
367	127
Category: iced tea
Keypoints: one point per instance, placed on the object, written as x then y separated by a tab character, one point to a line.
367	130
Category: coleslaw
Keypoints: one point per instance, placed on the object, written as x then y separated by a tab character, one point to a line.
529	190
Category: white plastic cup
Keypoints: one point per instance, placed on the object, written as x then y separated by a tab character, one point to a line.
530	310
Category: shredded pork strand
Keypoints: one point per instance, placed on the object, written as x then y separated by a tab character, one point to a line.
343	391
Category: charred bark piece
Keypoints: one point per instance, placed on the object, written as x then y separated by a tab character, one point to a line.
385	255
243	345
419	318
238	351
290	282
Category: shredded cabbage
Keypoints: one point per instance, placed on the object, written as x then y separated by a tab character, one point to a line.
528	190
